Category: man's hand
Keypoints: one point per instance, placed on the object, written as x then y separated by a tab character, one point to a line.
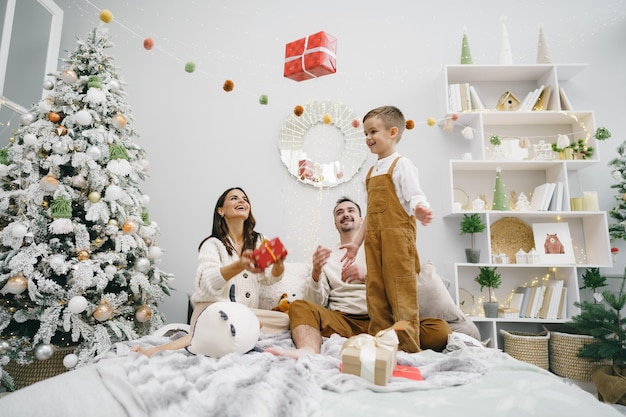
320	256
424	215
352	273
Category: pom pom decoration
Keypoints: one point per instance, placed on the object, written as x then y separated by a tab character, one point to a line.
495	140
602	133
148	44
356	123
263	99
431	121
454	117
106	16
468	133
298	110
190	67
327	119
410	124
228	86
19	230
223	328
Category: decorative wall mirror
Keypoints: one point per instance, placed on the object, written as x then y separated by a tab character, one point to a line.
325	146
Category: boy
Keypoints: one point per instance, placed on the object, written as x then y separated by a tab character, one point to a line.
394	200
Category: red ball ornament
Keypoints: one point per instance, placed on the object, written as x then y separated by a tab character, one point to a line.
356	123
148	43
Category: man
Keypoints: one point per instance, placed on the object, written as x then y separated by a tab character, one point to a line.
334	298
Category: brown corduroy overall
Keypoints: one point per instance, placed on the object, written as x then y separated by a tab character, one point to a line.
392	261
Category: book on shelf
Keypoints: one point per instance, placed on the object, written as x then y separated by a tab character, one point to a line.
529	304
551	300
565	103
562	313
543	99
466	104
477	102
540	200
558	192
454	95
531	99
545	303
525	291
537	301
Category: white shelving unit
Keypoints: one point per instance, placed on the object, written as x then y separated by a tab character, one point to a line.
473	177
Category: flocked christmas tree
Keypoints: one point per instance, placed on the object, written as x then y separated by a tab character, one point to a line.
78	253
500	201
618	165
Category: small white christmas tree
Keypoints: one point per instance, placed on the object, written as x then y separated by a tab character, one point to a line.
78	253
506	58
618	167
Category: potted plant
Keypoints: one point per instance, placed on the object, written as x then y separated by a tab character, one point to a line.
471	224
603	321
487	277
593	279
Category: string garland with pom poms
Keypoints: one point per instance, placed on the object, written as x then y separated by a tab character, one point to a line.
148	44
327	119
228	86
298	110
190	67
431	121
263	99
410	124
106	16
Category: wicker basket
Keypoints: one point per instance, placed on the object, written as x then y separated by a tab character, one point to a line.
564	360
527	347
25	375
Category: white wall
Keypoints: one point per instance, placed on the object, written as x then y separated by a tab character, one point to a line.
201	140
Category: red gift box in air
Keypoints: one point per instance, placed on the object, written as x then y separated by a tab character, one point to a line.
269	252
311	57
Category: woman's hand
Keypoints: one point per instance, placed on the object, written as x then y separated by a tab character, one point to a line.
246	262
350	256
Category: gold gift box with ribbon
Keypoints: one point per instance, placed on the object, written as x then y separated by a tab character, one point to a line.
371	357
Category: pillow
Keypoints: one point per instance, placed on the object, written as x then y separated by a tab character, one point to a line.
292	284
433	296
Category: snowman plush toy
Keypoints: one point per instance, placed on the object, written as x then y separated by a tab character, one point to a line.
223	328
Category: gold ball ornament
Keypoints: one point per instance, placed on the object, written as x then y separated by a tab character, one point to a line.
82	255
103	312
94	196
15	285
61	130
130	226
12	139
106	16
624	196
54	117
143	313
118	121
327	119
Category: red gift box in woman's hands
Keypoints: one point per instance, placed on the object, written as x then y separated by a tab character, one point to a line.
269	252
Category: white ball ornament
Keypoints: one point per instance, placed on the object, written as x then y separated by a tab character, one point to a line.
27	118
69	76
48	85
94	152
19	230
155	252
110	270
4	347
60	148
30	139
79	181
57	261
44	351
77	304
112	193
114	86
142	264
145	199
70	361
83	118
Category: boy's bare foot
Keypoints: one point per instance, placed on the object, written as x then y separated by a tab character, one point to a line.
146	351
291	353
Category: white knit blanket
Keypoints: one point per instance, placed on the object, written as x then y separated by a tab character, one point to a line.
258	383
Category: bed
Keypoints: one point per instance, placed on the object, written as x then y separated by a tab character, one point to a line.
465	380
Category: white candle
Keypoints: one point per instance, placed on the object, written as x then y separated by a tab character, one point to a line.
591	201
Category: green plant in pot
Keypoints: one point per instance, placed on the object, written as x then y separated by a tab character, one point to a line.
604	322
487	277
471	224
593	279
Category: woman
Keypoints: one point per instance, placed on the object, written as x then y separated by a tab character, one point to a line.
226	270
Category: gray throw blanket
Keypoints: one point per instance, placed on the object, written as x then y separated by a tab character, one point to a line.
261	384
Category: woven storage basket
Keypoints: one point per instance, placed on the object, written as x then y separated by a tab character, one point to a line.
527	347
25	375
564	361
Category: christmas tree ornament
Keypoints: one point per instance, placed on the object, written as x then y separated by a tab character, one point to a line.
466	54
143	313
19	230
56	262
500	201
431	121
114	86
142	264
94	82
155	252
48	85
60	147
543	52
505	47
44	351
147	240
83	255
263	99
327	119
148	44
298	110
48	183
83	118
106	16
77	304
78	181
468	133
118	151
356	123
190	67
130	226
54	117
94	152
61	130
113	222
103	312
410	124
29	139
228	86
118	121
15	285
27	118
61	208
4	347
94	197
145	199
110	270
69	76
70	361
113	193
